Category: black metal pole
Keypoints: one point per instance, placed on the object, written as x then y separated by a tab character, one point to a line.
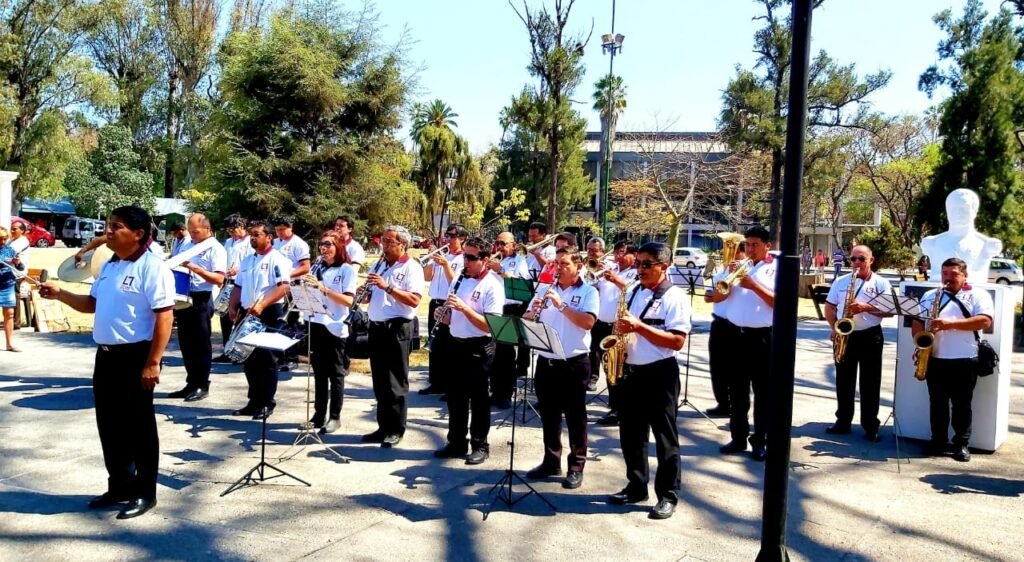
783	354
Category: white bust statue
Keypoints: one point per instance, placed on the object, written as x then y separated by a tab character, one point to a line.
962	240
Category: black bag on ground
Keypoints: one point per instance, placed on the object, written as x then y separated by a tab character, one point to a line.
358	344
988	359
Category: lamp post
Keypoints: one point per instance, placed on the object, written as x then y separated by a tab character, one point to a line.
449	183
611	43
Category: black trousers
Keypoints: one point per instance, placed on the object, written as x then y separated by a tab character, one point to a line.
440	350
261	366
746	371
194	339
562	391
126	420
951	382
389	366
330	366
722	351
863	351
226	326
467	390
650	403
510	361
600	331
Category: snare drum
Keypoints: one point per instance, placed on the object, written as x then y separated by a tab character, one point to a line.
239	352
182	286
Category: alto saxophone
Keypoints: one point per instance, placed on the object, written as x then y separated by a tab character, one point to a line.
924	340
845	325
614	346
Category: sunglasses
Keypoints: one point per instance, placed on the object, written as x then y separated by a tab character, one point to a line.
646	264
471	257
326	244
858	258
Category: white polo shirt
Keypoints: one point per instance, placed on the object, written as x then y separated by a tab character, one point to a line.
575	340
485	295
127	293
238	250
958	344
340	279
609	293
863	290
355	252
671	313
213	259
439	284
176	244
294	248
745	308
260	273
515	267
719	309
534	266
406	275
156	249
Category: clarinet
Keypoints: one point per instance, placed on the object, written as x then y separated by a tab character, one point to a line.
444	310
361	294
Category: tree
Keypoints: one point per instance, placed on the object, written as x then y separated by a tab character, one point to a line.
888	247
556	60
754	108
109	177
441	152
984	73
609	101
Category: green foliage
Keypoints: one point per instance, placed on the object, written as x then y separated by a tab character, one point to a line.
888	246
978	121
109	176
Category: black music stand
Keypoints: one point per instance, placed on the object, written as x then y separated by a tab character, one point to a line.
249	479
688	278
536	336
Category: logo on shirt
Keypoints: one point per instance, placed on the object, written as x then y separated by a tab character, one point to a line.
575	300
126	283
264	267
337	279
399	277
476	296
656	306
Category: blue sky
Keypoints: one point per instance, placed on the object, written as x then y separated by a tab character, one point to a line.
677	57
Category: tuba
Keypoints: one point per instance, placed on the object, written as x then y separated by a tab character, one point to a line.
925	340
845	325
614	346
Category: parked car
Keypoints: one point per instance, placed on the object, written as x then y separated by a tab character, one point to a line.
78	231
37	235
1004	272
690	257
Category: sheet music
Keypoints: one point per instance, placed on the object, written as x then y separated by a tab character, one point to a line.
273	341
175	261
539	335
885	303
308	299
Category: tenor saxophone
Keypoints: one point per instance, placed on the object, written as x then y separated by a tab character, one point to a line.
845	325
614	346
924	340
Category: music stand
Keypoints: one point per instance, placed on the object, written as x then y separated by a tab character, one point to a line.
521	290
688	278
536	336
248	479
310	301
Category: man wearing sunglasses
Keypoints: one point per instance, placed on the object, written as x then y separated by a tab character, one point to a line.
656	327
440	273
509	361
750	308
863	346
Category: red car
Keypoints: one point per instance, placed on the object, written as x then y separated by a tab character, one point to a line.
37	235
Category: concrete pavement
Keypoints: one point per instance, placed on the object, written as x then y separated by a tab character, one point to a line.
848	501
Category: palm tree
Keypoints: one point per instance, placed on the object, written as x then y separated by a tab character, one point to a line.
436	114
441	151
609	86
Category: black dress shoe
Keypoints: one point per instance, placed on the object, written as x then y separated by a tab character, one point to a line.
543	471
375	437
838	429
106	500
872	436
450	451
332	425
758	453
962	454
624	496
718	412
733	447
573	480
248	410
197	395
478	456
391	440
263	413
136	507
284	367
936	449
662	510
429	390
443	398
316	421
221	359
592	386
611	420
180	393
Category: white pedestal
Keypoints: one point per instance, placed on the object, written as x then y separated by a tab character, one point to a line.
991	404
6	200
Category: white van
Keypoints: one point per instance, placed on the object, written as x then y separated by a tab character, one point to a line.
78	231
690	257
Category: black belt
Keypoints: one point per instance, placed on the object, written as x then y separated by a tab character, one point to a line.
567	361
746	330
389	321
200	293
478	340
652	366
125	347
605	323
868	330
717	317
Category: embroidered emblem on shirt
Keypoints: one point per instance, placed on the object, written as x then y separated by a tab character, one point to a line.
337	279
126	283
575	299
399	277
264	266
476	296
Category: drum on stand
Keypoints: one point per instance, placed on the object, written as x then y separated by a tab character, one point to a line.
182	286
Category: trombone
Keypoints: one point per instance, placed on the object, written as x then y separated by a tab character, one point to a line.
529	249
426	259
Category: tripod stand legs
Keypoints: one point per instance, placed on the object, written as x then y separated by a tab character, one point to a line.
307	434
896	433
250	480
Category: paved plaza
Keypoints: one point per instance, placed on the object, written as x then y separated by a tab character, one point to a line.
849	499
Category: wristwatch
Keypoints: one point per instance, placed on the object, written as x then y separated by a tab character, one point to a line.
389	289
562	307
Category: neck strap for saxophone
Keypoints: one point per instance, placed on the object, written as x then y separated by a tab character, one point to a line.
659	291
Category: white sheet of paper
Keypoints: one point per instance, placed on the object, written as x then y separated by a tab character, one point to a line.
308	299
533	331
268	340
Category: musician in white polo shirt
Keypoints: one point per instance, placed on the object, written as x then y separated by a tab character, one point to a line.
259	291
132	301
750	309
622	276
510	361
441	272
474	294
238	248
297	250
953	363
397	283
863	346
656	326
570	309
345	226
194	322
722	339
539	257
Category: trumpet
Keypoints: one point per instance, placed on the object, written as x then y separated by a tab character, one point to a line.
724	286
597	266
529	249
427	258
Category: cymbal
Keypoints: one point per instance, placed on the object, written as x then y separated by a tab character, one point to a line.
100	256
75	273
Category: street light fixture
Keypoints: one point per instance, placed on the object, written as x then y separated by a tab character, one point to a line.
1020	137
449	183
611	43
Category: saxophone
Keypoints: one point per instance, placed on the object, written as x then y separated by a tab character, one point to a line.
925	339
614	346
845	325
